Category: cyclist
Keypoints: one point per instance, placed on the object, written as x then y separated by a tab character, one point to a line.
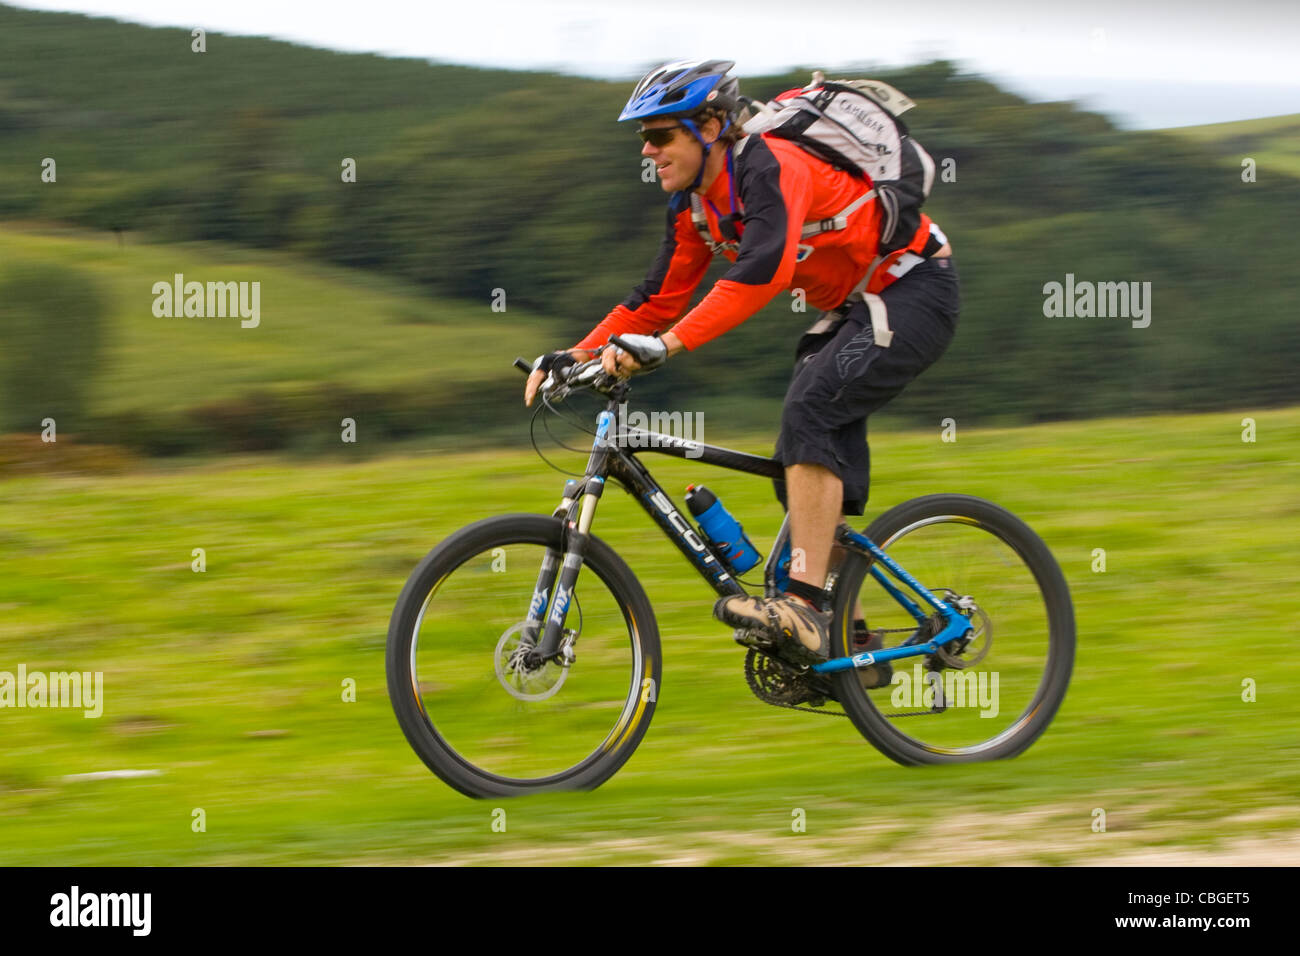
758	192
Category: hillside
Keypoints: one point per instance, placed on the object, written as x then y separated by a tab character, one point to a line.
470	181
1273	142
329	343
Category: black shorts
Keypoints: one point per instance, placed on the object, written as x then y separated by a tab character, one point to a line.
841	376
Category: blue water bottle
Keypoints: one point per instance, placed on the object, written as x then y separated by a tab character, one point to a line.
722	530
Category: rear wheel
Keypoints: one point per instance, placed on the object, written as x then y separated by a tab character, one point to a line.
477	716
985	698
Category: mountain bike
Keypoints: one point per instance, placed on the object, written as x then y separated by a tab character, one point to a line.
523	655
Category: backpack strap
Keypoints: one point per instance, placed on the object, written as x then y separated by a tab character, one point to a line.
876	307
835	222
840	219
698	217
701	223
879	319
875	304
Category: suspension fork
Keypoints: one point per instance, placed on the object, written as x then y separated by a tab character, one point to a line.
541	598
577	510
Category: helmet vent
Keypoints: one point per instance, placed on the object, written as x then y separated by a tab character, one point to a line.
682	88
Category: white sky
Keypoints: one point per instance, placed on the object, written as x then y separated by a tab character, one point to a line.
1153	64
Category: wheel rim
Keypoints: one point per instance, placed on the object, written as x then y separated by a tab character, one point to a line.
959	556
455	672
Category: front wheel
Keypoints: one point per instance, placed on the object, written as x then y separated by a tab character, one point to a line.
480	719
986	697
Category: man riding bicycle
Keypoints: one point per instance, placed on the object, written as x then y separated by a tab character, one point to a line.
757	193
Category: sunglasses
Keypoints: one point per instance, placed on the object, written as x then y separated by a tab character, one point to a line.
660	135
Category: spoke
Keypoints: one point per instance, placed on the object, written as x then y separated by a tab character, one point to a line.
969	560
507	720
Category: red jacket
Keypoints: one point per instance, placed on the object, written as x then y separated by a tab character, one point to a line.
779	187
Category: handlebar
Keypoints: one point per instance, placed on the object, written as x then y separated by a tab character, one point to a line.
638	353
587	374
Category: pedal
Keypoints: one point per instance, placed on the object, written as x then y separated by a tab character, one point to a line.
749	637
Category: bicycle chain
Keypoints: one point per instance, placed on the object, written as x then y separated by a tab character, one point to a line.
806	710
907	713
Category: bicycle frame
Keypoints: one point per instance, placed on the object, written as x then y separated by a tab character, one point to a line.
609	459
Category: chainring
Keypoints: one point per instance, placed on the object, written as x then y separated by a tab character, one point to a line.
775	682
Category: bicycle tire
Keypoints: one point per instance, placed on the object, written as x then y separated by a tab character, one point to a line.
883	733
403	685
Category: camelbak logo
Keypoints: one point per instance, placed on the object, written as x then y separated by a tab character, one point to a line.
862	116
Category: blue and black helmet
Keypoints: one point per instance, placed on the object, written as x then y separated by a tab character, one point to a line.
682	89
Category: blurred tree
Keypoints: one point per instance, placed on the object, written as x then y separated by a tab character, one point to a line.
470	180
52	321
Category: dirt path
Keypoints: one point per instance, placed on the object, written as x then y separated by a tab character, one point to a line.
1043	836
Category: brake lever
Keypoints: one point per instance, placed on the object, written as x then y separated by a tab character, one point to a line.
588	373
558	390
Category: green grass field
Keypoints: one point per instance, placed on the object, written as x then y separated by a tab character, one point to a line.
229	682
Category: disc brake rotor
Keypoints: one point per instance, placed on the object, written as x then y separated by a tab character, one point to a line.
521	681
976	644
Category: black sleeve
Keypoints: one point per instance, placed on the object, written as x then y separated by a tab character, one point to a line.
766	218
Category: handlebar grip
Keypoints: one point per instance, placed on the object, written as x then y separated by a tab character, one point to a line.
632	350
523	365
